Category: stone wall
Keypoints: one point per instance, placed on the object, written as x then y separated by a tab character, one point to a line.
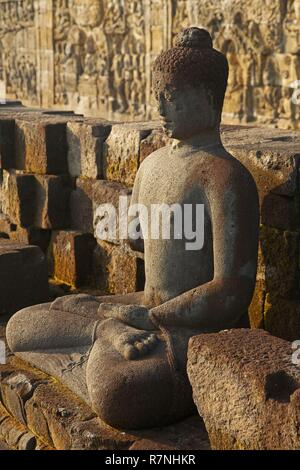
95	56
58	168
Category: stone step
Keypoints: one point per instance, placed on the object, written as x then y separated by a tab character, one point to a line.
38	403
15	436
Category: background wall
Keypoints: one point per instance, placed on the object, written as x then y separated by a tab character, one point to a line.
95	56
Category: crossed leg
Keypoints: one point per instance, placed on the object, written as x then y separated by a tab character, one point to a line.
133	393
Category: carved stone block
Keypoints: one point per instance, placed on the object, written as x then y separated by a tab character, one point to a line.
71	254
246	388
122	152
110	192
52	202
85	152
23	276
41	147
117	269
7	143
282	317
18	196
81	205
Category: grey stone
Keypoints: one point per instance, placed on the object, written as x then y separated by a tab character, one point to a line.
85	141
246	388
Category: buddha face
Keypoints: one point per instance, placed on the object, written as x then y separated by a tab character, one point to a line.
87	12
187	112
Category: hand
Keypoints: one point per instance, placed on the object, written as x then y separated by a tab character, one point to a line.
136	316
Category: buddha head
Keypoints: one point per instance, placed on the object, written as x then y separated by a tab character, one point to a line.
189	82
87	12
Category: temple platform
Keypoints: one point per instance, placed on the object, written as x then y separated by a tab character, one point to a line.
38	413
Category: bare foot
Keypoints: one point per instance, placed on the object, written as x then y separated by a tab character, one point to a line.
128	341
135	344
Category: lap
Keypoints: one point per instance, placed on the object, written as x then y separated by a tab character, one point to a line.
133	394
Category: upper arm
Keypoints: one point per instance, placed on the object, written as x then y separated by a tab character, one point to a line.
136	245
235	224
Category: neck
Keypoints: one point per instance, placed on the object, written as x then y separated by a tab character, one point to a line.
205	138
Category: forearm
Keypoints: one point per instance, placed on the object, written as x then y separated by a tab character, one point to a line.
215	304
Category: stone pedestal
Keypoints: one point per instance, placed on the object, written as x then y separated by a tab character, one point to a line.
38	413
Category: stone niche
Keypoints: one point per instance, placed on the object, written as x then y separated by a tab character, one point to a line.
95	56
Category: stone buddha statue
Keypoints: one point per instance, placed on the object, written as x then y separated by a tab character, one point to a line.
125	355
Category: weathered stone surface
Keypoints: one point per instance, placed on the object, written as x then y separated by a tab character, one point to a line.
246	389
7	143
52	203
114	76
278	262
88	196
282	317
51	414
29	236
71	254
154	141
94	434
81	205
189	434
17	384
121	156
27	442
23	276
16	388
4	446
59	418
256	309
18	196
109	192
281	212
41	146
273	160
117	269
5	225
85	148
15	436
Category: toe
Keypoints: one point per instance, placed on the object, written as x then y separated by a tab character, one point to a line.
129	352
139	345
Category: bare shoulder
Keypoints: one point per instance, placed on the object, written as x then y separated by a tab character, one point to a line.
226	172
154	157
